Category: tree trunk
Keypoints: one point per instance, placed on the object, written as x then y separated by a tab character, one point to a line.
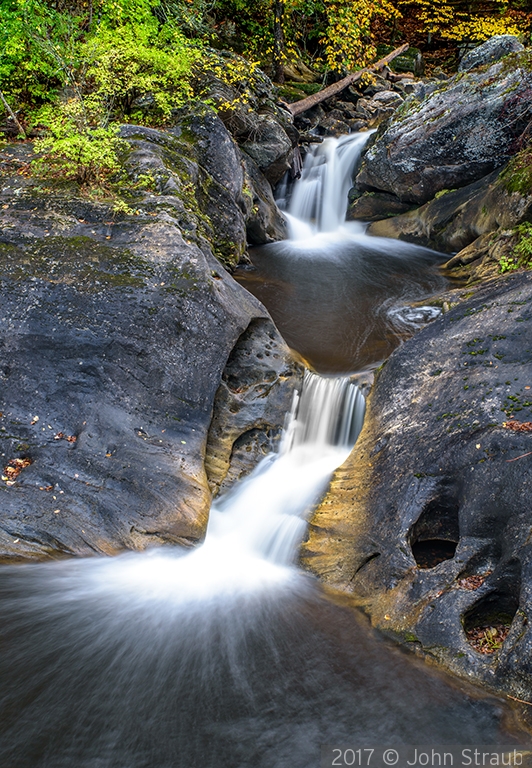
301	106
278	41
12	115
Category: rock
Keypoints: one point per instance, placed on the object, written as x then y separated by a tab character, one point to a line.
298	72
428	522
264	221
410	61
456	135
330	126
380	107
250	111
267	143
310	119
374	206
455	218
492	50
245	424
115	331
357	125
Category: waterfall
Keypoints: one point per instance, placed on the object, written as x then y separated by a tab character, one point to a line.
319	197
254	531
266	513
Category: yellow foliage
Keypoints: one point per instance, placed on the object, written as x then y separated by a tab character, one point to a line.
445	20
478	28
348	41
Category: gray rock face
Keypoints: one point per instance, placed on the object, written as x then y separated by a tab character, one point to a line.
455	219
428	522
264	221
245	424
492	50
257	122
115	331
456	135
270	147
374	206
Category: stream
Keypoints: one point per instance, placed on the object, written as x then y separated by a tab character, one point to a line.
229	656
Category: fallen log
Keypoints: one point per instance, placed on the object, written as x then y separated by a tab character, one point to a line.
12	115
301	106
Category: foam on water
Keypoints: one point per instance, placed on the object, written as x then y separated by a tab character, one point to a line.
255	530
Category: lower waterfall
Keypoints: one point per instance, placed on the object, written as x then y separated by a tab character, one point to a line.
224	657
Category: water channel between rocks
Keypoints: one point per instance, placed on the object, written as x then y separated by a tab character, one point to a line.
229	656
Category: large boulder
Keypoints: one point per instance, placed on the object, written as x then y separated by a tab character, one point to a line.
455	135
455	218
264	221
428	522
492	50
115	332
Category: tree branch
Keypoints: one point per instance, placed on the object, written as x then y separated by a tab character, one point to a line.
301	106
12	115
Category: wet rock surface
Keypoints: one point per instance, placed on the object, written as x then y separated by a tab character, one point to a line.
457	134
115	330
258	123
245	424
454	219
428	522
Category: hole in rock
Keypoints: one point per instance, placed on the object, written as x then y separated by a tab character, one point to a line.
487	623
430	553
434	536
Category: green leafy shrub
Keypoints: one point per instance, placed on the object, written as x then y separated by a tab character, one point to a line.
521	252
523	247
74	149
123	65
119	50
517	176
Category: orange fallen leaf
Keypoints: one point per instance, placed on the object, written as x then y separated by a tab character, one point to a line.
518	426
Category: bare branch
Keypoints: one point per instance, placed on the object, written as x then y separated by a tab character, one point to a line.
301	106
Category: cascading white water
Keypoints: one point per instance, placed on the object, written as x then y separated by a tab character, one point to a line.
319	197
266	514
254	531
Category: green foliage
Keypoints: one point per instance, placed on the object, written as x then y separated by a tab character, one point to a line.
123	66
32	35
522	250
517	176
118	49
507	264
77	68
75	150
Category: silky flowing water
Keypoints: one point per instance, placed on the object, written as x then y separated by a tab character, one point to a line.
227	656
341	298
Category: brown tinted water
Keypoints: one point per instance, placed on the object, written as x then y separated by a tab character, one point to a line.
341	300
97	677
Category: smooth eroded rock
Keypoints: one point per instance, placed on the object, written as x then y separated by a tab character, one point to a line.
428	522
455	218
492	50
115	331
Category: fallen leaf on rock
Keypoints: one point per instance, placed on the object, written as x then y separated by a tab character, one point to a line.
13	469
68	438
487	640
46	487
473	582
518	426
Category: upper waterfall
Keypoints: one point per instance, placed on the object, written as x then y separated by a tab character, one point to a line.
319	198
